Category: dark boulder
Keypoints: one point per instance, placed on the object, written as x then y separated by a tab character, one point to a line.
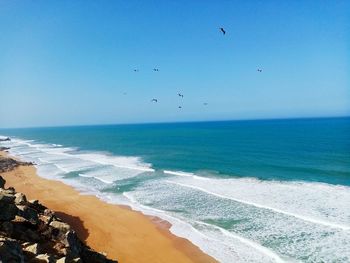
8	210
28	213
4	148
2	182
37	206
8	164
89	255
7	227
10	251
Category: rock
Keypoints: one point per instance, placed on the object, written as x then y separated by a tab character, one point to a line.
8	164
62	260
37	206
5	139
61	249
43	258
28	213
45	219
47	216
20	199
61	226
2	182
30	251
31	236
48	212
34	249
10	191
8	210
7	227
6	197
73	243
45	231
10	251
62	232
89	255
67	260
4	148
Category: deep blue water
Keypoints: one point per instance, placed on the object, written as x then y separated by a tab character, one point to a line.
293	149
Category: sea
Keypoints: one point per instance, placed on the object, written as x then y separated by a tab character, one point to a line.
242	191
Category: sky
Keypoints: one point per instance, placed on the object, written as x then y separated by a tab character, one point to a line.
72	62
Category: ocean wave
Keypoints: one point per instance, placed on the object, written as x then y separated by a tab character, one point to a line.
302	217
180	173
98	178
232	219
102	166
285	235
227	251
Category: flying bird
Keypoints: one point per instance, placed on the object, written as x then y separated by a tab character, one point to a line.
180	107
155	69
259	70
223	30
205	103
136	70
154	100
180	95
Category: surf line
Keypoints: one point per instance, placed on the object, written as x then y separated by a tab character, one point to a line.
243	240
185	174
78	156
247	242
304	218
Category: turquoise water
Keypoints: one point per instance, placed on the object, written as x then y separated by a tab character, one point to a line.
244	191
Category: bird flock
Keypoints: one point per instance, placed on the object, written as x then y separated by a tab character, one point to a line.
155	100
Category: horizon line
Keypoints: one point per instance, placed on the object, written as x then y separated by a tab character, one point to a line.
182	122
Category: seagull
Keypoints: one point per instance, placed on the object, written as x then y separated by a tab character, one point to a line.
259	70
155	69
222	30
180	95
136	70
205	103
154	100
180	107
124	93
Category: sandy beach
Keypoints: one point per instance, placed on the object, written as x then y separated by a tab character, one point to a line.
118	231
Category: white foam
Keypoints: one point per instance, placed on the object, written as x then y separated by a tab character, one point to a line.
258	205
110	174
69	159
133	163
248	242
98	178
180	173
237	252
313	217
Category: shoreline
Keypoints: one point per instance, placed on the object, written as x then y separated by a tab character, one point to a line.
117	230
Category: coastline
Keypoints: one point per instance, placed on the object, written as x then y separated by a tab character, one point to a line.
118	231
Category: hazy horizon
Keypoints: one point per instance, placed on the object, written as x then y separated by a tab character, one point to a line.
72	63
178	122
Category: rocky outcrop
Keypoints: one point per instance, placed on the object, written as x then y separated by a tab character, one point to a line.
30	232
8	164
5	139
2	148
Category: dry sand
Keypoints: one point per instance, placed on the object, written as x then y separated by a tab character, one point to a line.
124	234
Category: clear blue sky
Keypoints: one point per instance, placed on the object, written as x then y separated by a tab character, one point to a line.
69	62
